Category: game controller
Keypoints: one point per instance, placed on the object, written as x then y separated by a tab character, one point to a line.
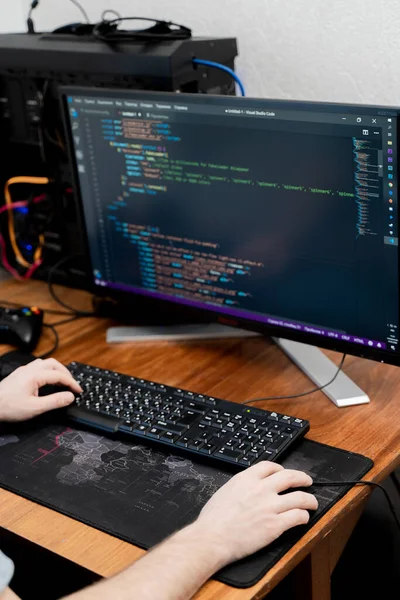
21	327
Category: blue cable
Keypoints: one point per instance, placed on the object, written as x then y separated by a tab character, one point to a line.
210	63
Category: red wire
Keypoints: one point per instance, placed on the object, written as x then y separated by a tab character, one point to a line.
15	205
6	264
22	203
10	269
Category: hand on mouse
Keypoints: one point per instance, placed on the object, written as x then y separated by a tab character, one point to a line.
249	512
19	392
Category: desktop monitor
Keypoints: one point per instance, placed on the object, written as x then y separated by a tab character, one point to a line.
275	216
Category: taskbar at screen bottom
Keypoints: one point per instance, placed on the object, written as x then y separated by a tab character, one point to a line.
251	316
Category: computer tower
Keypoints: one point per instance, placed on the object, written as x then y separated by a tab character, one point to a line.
32	140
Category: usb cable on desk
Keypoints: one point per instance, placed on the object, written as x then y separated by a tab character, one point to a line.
301	394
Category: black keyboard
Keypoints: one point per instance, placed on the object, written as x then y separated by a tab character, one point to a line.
195	425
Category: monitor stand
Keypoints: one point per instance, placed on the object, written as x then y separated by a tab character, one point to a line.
178	332
320	369
314	363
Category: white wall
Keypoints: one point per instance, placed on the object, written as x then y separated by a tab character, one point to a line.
12	16
340	50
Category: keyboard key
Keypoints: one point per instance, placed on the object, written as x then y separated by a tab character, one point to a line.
183	441
258	432
228	453
246	428
216	440
246	461
195	445
207	449
240	435
267	455
230	426
274	416
285	419
289	431
243	448
169	436
140	429
154	432
170	426
299	423
231	444
254	453
227	416
198	408
188	418
278	444
258	447
125	427
252	439
276	427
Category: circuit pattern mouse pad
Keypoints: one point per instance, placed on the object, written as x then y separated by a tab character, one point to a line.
142	495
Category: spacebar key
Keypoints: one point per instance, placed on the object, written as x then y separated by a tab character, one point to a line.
94	419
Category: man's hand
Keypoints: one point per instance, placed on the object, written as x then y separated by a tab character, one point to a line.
246	514
249	512
19	392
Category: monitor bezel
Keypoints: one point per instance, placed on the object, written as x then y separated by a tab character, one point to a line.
209	312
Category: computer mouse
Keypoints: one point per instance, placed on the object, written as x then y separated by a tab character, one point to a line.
10	361
310	490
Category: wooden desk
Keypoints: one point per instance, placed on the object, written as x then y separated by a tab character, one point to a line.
235	370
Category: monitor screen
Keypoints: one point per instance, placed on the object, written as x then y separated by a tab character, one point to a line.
279	216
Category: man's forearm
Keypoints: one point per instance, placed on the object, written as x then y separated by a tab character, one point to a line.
174	570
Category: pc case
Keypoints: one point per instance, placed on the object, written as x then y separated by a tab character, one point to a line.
32	67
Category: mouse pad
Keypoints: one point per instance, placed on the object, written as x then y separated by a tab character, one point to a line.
142	495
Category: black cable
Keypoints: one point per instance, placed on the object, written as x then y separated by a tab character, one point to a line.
53	326
64	321
112	11
56	342
29	21
362	482
83	11
72	310
108	31
34	4
317	389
